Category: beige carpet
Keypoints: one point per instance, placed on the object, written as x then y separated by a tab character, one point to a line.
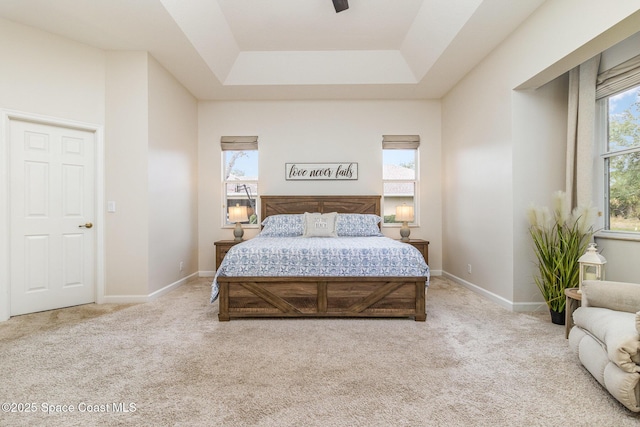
171	363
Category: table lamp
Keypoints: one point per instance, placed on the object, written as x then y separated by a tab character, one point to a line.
404	213
238	214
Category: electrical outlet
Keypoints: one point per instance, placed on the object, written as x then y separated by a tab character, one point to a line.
181	265
469	268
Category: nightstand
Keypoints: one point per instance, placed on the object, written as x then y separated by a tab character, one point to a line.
422	246
222	247
574	300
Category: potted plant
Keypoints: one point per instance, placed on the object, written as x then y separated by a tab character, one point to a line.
560	237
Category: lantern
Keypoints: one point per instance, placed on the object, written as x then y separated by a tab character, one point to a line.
591	265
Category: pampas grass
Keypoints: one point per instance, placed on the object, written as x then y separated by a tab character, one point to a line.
559	239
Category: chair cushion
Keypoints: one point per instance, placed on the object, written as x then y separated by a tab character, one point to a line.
618	296
616	330
624	386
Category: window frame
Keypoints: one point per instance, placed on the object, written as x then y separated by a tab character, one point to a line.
604	156
239	144
400	142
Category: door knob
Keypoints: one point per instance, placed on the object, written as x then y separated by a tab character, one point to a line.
87	225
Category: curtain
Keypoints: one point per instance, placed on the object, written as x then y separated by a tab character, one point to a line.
580	132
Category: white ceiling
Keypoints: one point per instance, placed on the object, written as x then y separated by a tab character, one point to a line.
300	25
291	49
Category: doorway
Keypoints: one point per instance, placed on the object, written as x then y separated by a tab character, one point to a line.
53	214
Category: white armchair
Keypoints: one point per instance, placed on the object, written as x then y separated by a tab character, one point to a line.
606	337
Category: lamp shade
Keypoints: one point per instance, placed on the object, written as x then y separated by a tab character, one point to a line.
404	213
238	213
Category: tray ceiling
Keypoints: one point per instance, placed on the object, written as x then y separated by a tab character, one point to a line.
291	49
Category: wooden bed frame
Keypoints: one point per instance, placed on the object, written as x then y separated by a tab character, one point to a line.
242	297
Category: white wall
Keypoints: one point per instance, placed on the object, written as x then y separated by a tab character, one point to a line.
46	75
172	169
487	140
539	159
318	131
150	140
126	174
41	73
151	174
622	259
478	182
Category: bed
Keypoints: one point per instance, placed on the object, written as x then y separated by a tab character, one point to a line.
249	284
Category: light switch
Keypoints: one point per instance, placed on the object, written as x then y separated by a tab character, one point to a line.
111	206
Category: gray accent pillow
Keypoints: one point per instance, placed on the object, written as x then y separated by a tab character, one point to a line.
320	225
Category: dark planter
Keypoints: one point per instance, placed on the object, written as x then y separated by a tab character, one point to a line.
557	317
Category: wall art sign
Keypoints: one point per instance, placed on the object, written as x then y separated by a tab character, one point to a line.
321	171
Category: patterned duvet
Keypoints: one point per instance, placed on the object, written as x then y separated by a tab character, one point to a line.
321	256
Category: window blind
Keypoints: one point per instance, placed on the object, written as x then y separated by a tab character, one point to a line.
618	78
239	143
400	142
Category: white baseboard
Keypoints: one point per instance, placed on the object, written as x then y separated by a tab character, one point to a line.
135	299
503	302
528	307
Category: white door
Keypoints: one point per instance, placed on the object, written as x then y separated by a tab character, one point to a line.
52	206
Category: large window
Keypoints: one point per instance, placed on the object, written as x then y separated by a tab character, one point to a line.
399	174
240	176
622	160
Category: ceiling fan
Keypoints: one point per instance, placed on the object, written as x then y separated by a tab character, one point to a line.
340	5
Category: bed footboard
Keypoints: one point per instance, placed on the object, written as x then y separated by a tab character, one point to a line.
244	297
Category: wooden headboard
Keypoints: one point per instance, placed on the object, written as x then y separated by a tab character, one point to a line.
276	205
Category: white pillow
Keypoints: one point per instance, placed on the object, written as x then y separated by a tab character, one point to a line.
320	225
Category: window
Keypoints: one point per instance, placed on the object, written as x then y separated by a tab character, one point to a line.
621	157
240	175
399	174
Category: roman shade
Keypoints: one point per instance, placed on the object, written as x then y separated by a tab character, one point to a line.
400	142
618	78
238	143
